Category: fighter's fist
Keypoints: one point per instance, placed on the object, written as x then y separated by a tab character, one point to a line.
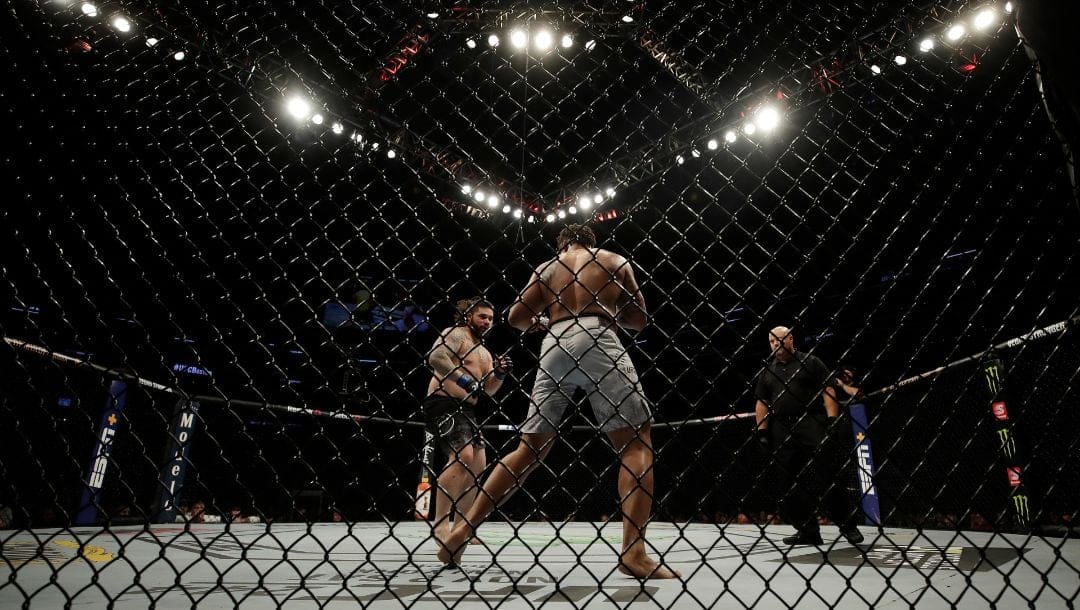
503	366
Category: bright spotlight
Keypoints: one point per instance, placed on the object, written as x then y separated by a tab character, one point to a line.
985	18
695	153
767	118
590	45
749	128
1008	7
356	137
179	56
89	9
712	144
900	60
517	213
627	19
926	44
519	39
573	210
876	69
121	24
543	40
151	42
317	119
956	32
609	191
337	128
561	214
374	145
493	40
567	41
550	218
679	159
466	189
506	209
730	136
584	203
299	108
470	43
390	153
493	201
479	196
432	15
598	198
532	219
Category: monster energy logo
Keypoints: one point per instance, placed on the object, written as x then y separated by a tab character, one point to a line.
1022	506
993	377
1008	442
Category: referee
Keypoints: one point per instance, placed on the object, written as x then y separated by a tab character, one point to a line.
792	423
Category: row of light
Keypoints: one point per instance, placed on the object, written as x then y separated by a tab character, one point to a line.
122	24
543	40
983	20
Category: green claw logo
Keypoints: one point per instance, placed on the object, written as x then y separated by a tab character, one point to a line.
1023	510
1008	442
993	377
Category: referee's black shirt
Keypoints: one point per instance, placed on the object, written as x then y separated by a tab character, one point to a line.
793	388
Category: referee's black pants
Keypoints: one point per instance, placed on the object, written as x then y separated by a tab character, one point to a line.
813	473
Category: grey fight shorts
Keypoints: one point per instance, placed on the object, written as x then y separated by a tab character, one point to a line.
585	353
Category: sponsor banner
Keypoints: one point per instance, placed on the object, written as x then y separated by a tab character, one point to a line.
864	464
185	420
99	458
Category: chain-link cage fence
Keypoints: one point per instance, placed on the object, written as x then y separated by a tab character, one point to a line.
238	235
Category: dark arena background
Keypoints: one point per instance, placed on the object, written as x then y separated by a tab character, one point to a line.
232	231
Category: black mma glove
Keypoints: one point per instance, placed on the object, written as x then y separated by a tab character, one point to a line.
763	438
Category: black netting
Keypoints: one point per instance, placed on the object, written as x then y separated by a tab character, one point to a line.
234	232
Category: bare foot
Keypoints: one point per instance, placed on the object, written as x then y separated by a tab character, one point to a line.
450	550
645	568
476	540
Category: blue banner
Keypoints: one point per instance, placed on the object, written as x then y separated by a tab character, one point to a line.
99	459
174	468
864	464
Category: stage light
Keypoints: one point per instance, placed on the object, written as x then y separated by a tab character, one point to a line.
695	153
876	69
470	43
374	145
627	19
532	219
356	137
517	213
679	159
900	60
493	40
1008	7
609	191
567	41
985	18
573	210
926	45
956	32
390	153
432	15
89	9
479	195
749	128
317	119
337	128
466	189
590	45
506	209
542	39
151	42
598	199
299	108
550	218
730	136
584	203
121	24
767	118
561	214
519	39
493	201
179	56
712	144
